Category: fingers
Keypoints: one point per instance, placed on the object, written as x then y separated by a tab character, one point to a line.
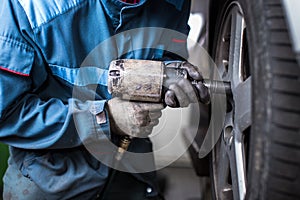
188	89
148	122
181	94
202	90
154	118
155	115
192	71
145	113
141	119
203	93
181	91
170	99
132	118
143	131
139	116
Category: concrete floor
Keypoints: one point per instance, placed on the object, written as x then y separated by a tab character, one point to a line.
184	184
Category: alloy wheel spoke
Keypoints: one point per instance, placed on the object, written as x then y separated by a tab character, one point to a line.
236	46
237	166
242	102
223	167
242	99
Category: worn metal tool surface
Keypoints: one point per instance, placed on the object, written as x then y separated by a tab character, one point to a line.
144	80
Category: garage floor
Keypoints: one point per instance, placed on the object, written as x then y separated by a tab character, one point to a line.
183	184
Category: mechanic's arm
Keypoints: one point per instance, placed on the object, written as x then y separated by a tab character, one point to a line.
30	123
27	121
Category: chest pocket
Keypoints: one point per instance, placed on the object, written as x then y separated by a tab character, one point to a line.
16	57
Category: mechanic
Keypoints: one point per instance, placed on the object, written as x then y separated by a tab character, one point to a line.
42	47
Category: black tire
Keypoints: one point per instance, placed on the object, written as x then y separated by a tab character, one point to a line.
272	146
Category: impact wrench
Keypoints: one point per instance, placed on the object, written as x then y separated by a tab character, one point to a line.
143	81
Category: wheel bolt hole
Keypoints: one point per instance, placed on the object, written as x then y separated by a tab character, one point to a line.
229	107
228	135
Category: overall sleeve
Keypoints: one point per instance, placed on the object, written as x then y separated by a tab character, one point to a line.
177	43
27	121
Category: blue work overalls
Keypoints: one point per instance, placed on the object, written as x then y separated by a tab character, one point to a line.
44	45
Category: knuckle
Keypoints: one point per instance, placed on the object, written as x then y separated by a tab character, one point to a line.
169	94
183	81
184	102
173	87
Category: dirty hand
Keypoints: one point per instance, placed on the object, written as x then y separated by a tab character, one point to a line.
133	118
181	92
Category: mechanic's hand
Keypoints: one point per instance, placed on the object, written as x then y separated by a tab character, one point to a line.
181	92
133	118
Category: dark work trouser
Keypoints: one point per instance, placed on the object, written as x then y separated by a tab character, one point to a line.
124	186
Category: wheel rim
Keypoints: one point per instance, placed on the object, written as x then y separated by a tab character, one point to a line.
230	155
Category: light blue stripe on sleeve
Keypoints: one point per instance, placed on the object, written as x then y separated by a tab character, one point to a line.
83	76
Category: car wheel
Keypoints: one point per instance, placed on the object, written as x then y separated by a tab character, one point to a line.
258	153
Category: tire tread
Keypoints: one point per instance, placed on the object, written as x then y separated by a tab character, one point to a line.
274	11
278	170
289	119
284	67
281	51
290	103
283	154
286	187
279	38
289	137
